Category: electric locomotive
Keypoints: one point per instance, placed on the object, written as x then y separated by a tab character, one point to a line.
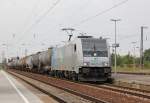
84	59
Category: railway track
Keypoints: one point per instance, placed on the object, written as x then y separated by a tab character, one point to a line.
42	90
92	92
126	90
123	90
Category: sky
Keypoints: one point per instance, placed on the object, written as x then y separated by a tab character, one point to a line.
29	26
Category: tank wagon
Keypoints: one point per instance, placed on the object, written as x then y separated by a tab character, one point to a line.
84	59
39	62
13	63
32	62
45	60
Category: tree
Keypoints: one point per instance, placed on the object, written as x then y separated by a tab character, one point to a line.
121	60
147	55
147	58
129	59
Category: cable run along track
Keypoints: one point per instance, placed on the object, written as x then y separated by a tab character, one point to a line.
95	93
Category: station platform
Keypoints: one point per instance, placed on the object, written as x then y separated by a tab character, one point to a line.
13	91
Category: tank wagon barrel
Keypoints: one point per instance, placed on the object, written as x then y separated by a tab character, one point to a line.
45	60
32	61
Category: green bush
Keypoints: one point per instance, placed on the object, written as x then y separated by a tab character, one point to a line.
147	64
128	60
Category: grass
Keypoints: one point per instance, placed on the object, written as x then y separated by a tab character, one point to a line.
132	69
1	67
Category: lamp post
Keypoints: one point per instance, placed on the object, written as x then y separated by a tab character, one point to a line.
115	45
141	47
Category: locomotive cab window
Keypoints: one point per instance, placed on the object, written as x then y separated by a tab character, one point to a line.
75	48
95	53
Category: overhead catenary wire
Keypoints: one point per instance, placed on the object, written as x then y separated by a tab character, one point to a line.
121	37
27	19
41	17
101	13
15	43
44	14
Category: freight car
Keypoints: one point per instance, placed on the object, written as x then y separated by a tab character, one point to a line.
84	59
13	63
32	62
45	60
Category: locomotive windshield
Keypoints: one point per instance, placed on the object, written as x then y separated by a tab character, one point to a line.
95	53
94	47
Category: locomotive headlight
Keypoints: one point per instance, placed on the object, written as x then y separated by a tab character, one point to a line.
105	64
85	63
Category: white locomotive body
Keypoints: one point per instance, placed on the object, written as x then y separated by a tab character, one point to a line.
85	59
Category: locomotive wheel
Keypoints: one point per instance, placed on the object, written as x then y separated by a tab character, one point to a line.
110	80
74	77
